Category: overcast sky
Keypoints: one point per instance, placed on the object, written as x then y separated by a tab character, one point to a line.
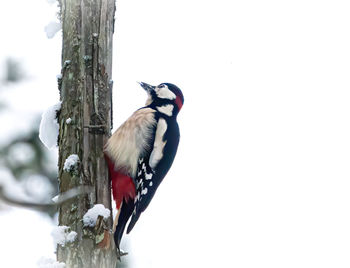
261	178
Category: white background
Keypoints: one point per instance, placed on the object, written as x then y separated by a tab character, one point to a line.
261	177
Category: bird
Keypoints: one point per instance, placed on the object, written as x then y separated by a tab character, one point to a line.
140	153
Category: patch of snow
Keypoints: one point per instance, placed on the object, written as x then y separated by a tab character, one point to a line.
55	199
50	263
61	235
68	121
59	76
71	162
52	28
92	214
71	236
48	131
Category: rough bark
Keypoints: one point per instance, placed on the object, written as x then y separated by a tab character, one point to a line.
85	91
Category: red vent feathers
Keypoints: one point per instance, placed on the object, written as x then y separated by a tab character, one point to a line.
123	186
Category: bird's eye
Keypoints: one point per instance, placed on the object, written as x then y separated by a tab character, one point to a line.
161	86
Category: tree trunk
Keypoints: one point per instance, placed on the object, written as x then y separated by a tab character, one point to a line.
86	95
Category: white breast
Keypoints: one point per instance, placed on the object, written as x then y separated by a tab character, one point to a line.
130	140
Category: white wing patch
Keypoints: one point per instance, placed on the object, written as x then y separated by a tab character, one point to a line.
157	152
165	93
166	109
144	191
130	140
148	176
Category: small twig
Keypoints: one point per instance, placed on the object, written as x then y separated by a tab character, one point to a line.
96	129
42	206
95	126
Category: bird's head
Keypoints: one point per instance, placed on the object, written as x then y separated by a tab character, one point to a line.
164	95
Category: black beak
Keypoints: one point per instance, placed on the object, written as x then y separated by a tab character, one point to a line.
146	86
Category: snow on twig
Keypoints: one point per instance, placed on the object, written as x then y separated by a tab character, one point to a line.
92	214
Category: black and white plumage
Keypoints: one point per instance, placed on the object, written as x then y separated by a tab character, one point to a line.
141	152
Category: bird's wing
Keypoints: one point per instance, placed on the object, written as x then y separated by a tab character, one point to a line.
147	180
146	185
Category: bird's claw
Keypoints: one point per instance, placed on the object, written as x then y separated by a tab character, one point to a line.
120	253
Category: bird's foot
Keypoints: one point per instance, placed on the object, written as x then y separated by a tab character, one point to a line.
120	253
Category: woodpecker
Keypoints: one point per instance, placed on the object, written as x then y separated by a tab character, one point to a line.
140	153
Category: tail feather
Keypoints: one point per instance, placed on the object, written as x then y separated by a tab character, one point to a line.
133	222
125	212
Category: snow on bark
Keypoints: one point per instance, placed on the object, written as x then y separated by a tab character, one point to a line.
61	235
71	236
48	131
92	214
55	199
71	163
